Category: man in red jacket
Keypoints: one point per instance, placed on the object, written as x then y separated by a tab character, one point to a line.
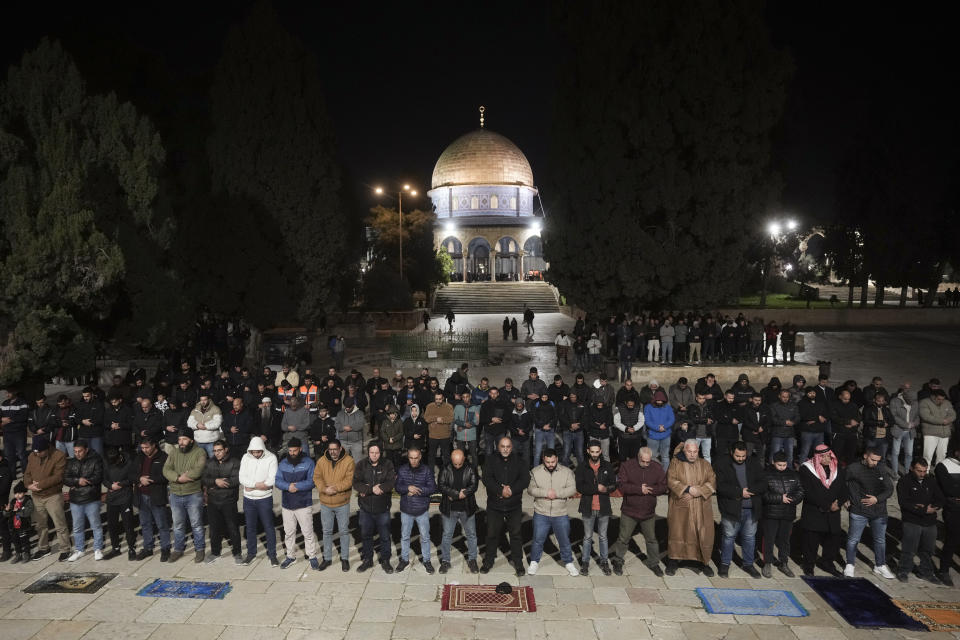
640	481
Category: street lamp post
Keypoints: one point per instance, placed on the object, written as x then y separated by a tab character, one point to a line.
412	192
776	231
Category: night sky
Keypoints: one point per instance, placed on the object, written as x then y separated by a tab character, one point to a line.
403	80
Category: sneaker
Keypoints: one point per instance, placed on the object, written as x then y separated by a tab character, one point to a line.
213	557
584	569
42	553
533	567
444	566
324	564
472	565
385	565
884	572
76	555
97	554
723	571
198	556
428	567
403	564
366	564
174	556
63	557
110	555
248	561
751	571
274	562
287	562
344	565
708	571
314	564
605	567
848	571
767	571
571	569
617	565
164	555
657	571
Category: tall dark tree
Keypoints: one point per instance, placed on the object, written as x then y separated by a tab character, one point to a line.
78	183
272	143
661	158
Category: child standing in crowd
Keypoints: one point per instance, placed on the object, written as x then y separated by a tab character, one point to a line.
16	528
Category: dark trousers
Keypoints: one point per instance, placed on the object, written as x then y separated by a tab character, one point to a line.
118	514
260	512
441	446
814	539
919	540
952	540
224	521
469	448
845	445
394	456
15	448
628	448
497	521
776	531
370	524
19	538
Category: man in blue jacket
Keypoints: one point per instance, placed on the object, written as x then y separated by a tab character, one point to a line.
659	419
415	484
295	481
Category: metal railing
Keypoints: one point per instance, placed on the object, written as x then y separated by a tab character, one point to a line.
460	345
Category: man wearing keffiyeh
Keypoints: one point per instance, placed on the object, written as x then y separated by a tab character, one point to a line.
825	492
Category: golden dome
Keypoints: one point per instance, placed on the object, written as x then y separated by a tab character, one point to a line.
482	157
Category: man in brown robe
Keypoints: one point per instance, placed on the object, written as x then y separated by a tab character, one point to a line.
690	527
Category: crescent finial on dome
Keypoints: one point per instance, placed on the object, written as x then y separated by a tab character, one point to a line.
482	109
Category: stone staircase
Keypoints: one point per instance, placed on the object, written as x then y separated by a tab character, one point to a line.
495	297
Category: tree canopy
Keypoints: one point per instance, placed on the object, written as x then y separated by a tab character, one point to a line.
661	151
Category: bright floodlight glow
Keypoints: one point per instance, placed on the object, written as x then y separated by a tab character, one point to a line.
406	187
535	227
378	190
413	193
449	227
774	228
788	267
791	224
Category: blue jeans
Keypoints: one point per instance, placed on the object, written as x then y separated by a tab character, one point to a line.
371	523
782	444
81	514
206	446
96	444
602	522
406	527
904	441
572	443
808	440
342	516
542	525
187	510
15	448
151	517
469	524
666	351
705	445
878	527
543	440
66	447
661	450
260	512
746	528
625	367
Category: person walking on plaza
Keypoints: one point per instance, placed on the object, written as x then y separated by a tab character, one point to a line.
221	483
528	317
84	475
641	481
781	494
295	481
415	484
550	485
920	500
740	486
374	479
451	318
563	344
691	482
183	470
824	486
947	474
868	488
936	424
596	480
44	479
458	485
333	477
505	476
258	472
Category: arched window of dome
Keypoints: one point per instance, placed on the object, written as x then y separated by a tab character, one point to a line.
474	202
513	202
494	202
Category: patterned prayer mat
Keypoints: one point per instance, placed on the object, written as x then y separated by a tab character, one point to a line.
70	583
938	616
751	602
484	597
185	589
861	603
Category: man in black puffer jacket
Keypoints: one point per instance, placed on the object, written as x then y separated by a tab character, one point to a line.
84	474
119	478
740	487
458	503
221	482
781	496
505	476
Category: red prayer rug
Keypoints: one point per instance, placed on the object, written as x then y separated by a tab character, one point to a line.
938	616
484	597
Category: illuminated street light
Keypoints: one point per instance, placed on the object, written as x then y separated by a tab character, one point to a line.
449	227
774	229
791	224
535	227
413	193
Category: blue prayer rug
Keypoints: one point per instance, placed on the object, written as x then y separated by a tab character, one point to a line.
861	603
185	589
751	602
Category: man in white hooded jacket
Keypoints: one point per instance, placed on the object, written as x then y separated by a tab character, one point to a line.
258	472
